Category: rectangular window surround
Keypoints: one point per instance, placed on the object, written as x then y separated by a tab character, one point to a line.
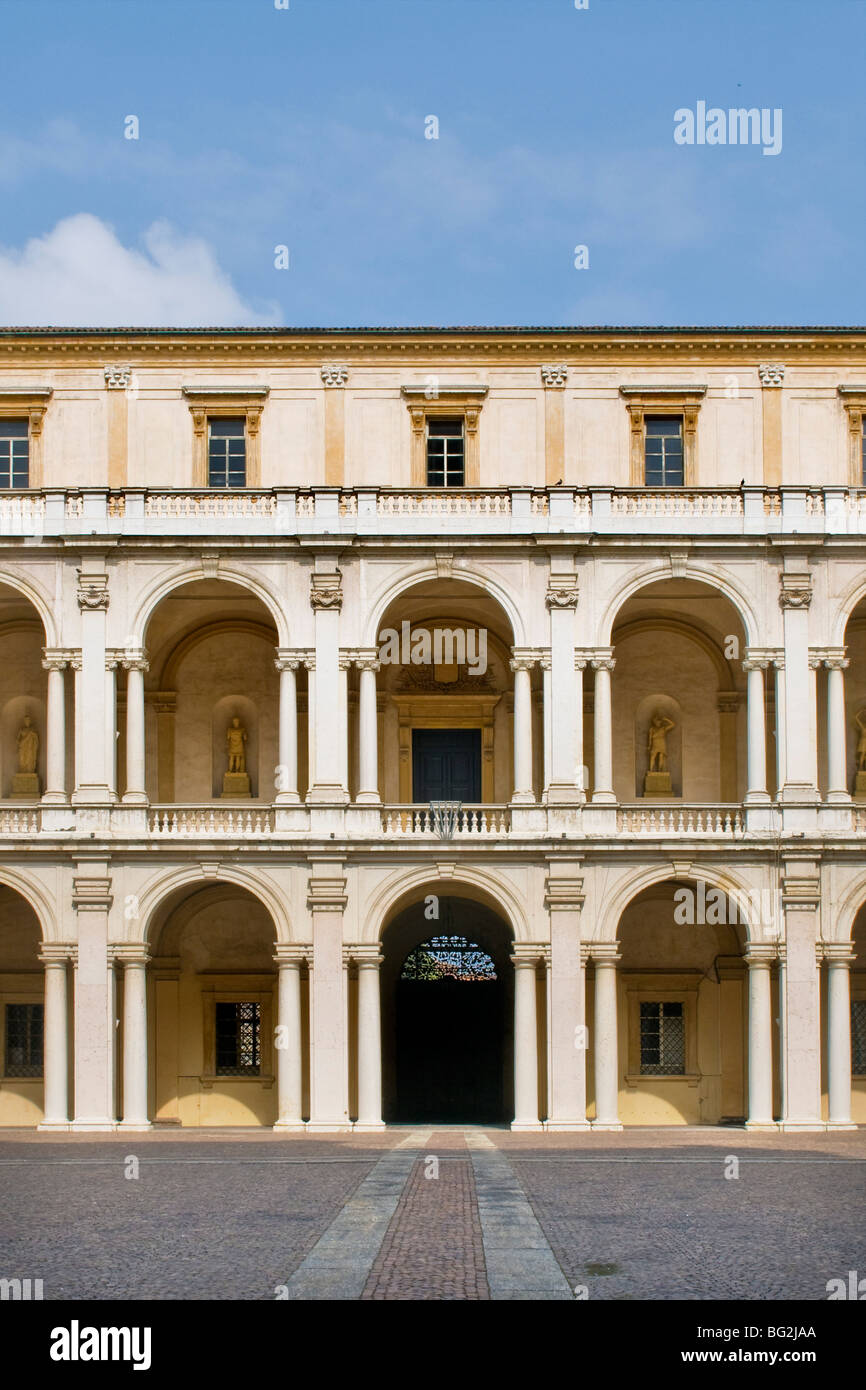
684	401
677	992
28	403
437	400
257	991
854	401
210	402
16	1000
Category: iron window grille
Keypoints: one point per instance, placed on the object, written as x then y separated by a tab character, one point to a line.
444	957
446	454
662	1039
858	1037
14	454
24	1039
238	1039
663	451
227	453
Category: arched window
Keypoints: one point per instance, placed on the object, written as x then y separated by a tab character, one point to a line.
448	958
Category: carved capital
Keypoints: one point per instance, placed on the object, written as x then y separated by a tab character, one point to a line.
92	591
523	661
795	590
562	595
771	373
836	663
134	660
326	590
603	663
334	374
117	378
555	374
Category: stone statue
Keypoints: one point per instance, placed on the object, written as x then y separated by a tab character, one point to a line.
28	746
860	780
25	782
236	737
657	741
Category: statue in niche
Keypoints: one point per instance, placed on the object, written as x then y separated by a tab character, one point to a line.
236	781
658	779
860	782
25	781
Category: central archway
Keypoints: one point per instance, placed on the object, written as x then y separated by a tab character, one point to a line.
447	1005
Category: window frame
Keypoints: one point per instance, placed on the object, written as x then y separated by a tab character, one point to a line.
683	402
257	992
208	403
445	485
854	401
858	996
30	404
666	990
227	486
32	999
448	402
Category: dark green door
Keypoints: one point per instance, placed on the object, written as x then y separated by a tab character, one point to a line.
446	765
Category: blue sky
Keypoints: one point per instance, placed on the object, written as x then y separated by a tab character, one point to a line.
305	127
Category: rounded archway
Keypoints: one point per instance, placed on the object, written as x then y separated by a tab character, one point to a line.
21	1012
447	1004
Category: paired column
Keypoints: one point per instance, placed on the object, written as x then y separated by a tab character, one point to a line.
55	752
525	962
368	960
55	959
134	959
603	784
368	730
759	959
605	956
287	772
135	664
757	744
289	1041
839	960
837	761
521	665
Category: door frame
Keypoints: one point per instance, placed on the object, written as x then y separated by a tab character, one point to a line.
446	712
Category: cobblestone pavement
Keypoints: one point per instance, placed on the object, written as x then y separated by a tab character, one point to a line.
639	1215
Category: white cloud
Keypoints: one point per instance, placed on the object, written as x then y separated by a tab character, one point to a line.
80	274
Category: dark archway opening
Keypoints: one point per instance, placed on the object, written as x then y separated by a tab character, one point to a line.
447	1009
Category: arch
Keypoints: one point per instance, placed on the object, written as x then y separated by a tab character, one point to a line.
402	890
35	897
845	914
154	896
692	633
402	583
659	572
42	603
645	878
853	595
187	643
150	600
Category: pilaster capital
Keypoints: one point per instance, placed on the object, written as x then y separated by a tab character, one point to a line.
57	953
291	954
604	952
334	374
771	373
92	592
326	591
129	953
728	701
555	374
562	593
91	894
327	894
365	957
837	953
563	894
795	589
117	377
759	955
526	955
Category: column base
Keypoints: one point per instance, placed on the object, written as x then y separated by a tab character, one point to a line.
835	798
138	1126
801	1126
566	1126
61	1125
93	1126
134	799
762	1124
326	1127
523	799
368	799
287	799
607	1126
55	799
528	1126
368	1126
602	798
290	1126
841	1124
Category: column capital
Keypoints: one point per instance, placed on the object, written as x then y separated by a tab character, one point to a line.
92	592
345	661
134	659
795	589
603	663
326	591
771	373
555	374
58	952
528	954
292	953
604	952
367	659
760	954
562	593
289	658
836	663
55	658
838	953
755	660
523	658
129	952
365	956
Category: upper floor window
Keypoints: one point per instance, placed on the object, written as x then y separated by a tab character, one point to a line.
662	1039
23	1040
14	453
227	453
446	454
663	451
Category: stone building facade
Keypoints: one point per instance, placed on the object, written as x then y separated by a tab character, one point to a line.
545	653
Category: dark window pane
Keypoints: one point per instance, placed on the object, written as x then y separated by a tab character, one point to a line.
663	451
227	429
445	429
858	1037
24	1031
662	1039
14	453
238	1039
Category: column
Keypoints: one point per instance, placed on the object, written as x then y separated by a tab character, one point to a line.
135	666
368	732
521	666
757	744
795	597
839	960
837	762
525	1040
111	724
369	1039
603	787
55	750
329	1076
606	1042
134	1036
77	723
566	702
310	666
759	960
779	665
90	713
546	711
328	778
56	1061
567	1039
289	1039
287	753
815	664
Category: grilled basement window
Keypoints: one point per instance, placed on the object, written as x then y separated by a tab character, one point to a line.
24	1028
662	1039
858	1037
227	453
446	455
238	1039
14	453
663	451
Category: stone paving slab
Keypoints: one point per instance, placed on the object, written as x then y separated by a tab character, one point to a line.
520	1262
